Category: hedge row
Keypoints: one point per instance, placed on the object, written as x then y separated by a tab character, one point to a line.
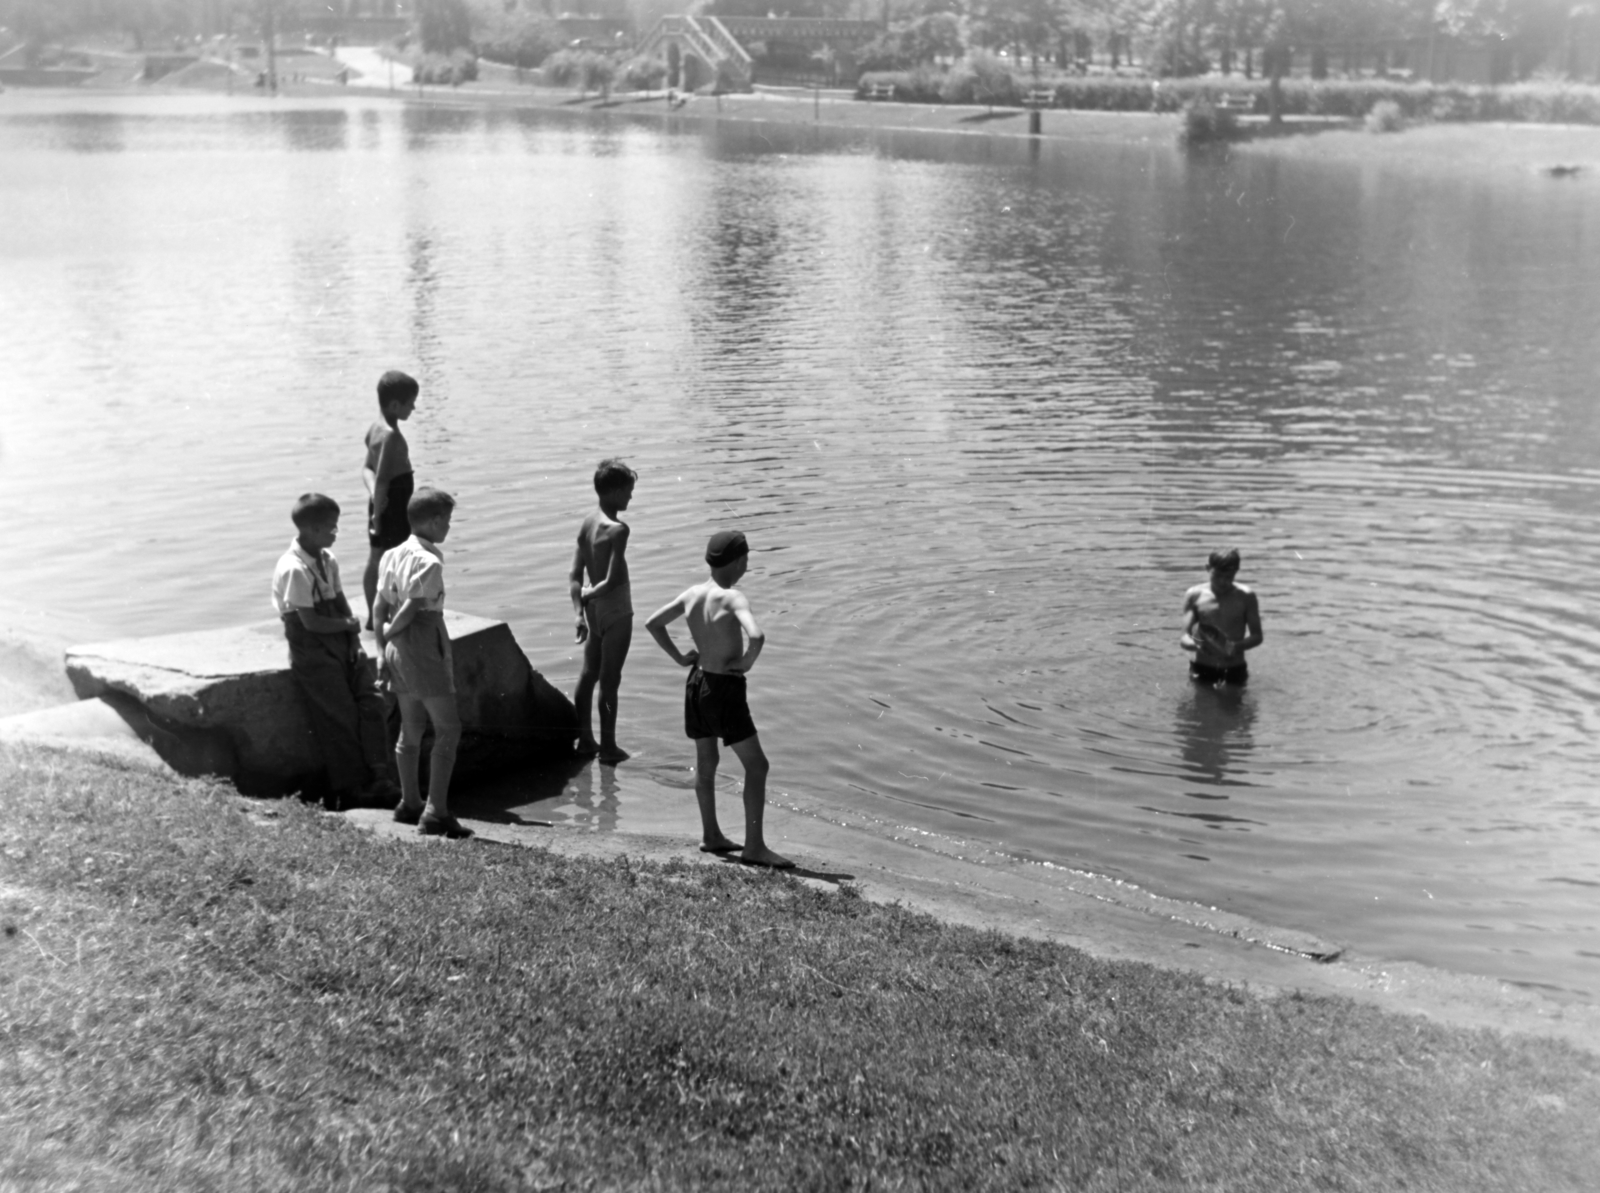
1551	103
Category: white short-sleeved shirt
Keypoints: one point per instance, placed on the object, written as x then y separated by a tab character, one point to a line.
299	581
412	571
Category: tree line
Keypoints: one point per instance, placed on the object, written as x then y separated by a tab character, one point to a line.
1178	36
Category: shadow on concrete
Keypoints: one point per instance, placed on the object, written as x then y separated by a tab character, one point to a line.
496	799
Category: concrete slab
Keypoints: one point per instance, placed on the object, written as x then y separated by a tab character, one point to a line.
91	726
223	702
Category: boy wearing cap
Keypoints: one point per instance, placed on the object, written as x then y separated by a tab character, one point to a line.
714	701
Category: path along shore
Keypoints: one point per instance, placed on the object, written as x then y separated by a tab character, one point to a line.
960	882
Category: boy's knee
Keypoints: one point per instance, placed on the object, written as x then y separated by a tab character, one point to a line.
447	735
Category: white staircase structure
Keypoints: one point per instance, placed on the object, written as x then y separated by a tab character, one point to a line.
704	38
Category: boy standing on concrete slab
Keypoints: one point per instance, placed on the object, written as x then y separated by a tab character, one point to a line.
326	660
387	475
714	701
414	651
1221	620
603	607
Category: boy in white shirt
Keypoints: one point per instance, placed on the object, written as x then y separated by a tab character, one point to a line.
414	651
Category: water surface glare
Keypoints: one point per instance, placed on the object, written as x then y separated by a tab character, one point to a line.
982	409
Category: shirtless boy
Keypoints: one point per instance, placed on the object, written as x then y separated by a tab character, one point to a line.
603	607
387	475
1221	620
714	702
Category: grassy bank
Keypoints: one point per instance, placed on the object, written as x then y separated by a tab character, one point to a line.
199	991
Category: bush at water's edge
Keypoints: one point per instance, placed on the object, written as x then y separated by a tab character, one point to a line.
1552	103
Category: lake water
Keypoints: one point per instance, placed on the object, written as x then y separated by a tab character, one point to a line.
982	410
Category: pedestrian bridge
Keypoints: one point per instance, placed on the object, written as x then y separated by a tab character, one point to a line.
706	49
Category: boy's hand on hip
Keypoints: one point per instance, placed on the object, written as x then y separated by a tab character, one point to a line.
689	659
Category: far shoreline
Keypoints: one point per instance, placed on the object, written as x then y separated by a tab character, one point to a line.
1450	147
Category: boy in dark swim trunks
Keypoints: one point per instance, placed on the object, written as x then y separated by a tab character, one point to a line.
604	608
1221	620
714	703
387	475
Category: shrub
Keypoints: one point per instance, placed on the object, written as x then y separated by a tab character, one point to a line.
1385	117
1204	123
979	78
586	70
444	70
730	78
641	74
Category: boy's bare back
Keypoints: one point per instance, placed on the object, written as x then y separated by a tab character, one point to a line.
717	618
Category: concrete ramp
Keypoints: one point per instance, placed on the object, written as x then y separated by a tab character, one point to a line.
223	702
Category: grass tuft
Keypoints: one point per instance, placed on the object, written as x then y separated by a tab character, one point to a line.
202	991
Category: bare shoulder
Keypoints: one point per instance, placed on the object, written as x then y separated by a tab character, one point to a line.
614	531
1194	594
1249	594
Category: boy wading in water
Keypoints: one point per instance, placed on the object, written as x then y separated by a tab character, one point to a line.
603	607
387	475
714	703
1221	620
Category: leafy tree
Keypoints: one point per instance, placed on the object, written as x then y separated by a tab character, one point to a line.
443	25
922	39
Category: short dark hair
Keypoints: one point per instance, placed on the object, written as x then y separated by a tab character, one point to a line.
395	386
427	503
613	474
313	509
1224	561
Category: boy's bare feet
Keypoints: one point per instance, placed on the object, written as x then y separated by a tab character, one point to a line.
720	845
762	856
587	747
611	755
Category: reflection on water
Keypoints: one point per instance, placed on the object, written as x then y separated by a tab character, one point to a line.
1213	732
983	409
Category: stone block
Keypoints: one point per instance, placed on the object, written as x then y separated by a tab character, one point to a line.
223	701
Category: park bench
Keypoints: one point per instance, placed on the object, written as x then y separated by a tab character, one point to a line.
1039	97
879	91
1235	102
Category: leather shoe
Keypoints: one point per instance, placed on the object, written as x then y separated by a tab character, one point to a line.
443	826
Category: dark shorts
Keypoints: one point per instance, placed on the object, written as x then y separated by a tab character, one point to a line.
1204	674
715	706
396	526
